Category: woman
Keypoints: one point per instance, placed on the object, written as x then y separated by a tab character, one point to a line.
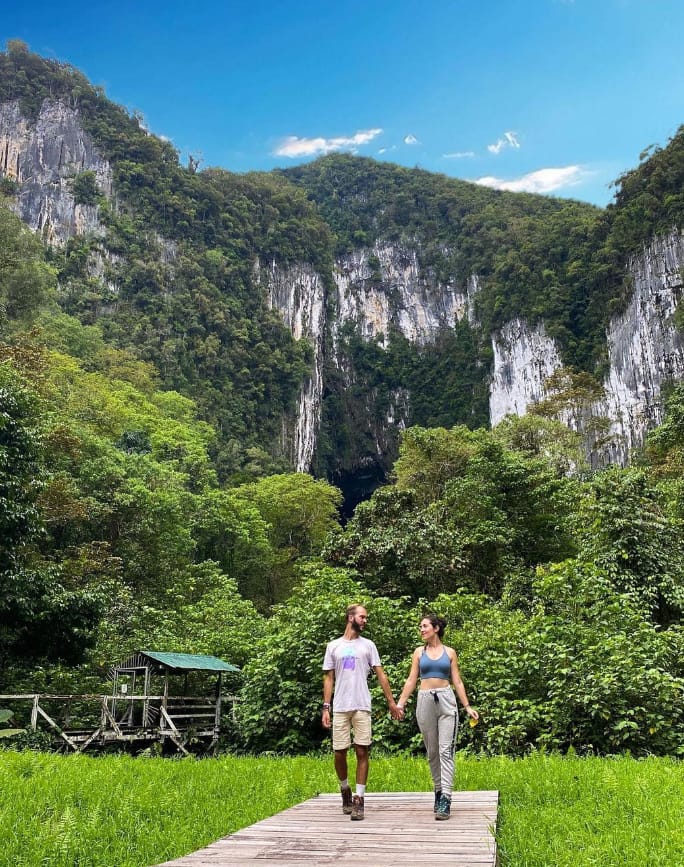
436	711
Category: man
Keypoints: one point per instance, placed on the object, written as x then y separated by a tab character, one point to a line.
348	660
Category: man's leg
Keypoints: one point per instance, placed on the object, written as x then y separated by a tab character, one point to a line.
341	744
361	767
357	811
362	741
341	765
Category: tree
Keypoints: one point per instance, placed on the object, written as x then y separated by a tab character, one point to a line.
298	512
20	474
624	529
26	281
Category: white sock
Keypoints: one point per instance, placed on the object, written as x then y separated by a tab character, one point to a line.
360	790
344	784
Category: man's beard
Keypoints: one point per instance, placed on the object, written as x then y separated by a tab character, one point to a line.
357	627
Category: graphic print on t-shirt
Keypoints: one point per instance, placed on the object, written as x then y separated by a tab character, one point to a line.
348	659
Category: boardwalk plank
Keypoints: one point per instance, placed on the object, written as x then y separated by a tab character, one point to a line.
399	829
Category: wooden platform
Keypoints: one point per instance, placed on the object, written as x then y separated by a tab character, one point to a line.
399	828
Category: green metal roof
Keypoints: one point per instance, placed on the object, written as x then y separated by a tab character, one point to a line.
190	661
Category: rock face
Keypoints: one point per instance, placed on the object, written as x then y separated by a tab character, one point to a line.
644	351
384	286
43	157
375	289
644	348
524	358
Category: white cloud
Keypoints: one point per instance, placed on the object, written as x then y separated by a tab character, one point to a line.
508	140
294	146
410	140
541	181
458	155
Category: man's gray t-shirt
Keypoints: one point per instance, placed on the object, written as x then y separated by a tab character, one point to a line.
351	661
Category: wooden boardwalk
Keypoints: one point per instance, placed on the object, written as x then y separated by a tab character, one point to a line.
399	828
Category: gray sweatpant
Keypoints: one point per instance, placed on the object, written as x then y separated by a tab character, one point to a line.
437	716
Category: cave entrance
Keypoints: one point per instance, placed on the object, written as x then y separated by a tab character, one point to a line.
358	485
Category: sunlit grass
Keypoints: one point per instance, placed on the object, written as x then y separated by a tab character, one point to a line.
123	812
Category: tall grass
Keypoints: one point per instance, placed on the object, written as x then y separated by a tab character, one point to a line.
124	812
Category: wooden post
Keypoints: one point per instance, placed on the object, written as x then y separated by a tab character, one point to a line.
34	713
58	729
115	689
146	701
217	718
130	716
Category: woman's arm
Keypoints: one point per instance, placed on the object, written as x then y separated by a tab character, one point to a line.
458	685
411	680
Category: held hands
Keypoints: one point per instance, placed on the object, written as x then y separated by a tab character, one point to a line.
396	711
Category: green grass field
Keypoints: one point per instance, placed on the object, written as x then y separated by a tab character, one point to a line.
79	811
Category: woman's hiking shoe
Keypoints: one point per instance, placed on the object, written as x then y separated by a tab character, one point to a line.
438	795
357	808
346	800
443	808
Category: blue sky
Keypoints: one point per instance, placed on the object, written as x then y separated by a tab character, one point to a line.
550	96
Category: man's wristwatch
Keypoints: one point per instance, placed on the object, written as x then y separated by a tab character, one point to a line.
326	705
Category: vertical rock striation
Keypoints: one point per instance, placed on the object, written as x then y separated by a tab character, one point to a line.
644	348
298	292
524	358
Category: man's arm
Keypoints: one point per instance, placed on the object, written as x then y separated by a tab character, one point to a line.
387	689
328	683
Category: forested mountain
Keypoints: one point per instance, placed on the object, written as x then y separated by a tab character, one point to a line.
175	341
313	313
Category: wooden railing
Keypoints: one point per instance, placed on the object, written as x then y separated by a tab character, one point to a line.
124	717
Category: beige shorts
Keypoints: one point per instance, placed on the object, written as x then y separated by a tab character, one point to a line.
343	723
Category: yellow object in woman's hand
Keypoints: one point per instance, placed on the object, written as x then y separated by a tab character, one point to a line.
472	722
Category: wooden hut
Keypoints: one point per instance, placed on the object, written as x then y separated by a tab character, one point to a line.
170	712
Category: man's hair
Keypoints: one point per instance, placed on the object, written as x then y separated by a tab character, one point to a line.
351	611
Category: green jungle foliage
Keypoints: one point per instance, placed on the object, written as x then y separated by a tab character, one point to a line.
564	599
143	502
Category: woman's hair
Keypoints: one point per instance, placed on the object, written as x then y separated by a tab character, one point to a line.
438	623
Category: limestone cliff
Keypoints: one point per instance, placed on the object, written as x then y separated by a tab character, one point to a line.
644	350
385	286
44	157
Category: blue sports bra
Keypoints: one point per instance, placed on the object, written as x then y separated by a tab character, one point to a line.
440	668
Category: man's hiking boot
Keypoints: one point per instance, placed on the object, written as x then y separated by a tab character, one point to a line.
438	795
443	808
357	808
346	800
